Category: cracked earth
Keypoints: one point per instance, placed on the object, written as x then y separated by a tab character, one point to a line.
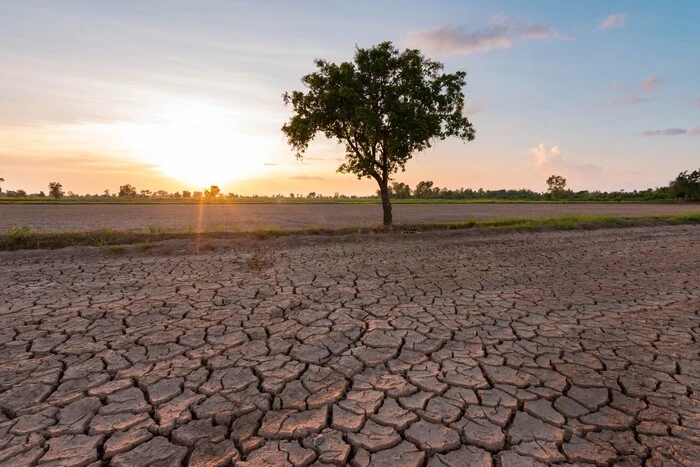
438	349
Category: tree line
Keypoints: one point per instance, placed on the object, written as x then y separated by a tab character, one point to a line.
685	187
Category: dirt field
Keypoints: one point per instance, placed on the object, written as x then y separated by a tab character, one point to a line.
438	349
174	217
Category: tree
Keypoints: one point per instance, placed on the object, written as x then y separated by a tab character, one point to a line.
55	190
686	186
1	180
556	184
127	191
385	106
212	192
424	190
400	190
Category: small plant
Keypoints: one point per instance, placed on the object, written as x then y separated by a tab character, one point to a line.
155	229
17	237
189	230
145	246
115	249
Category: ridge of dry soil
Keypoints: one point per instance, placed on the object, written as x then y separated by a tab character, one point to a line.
429	349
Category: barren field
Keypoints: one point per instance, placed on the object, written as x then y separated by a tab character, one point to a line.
234	217
430	349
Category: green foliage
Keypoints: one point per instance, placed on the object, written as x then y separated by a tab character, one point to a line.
155	229
55	190
400	190
686	186
384	106
16	238
556	184
424	190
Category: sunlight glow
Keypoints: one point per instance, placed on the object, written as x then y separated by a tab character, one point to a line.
197	143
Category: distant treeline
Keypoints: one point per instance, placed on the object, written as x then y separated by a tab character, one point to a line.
685	187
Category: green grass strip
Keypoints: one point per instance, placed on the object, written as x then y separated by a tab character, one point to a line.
23	238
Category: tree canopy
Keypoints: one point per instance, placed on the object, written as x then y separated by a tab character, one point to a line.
556	184
384	106
55	190
686	186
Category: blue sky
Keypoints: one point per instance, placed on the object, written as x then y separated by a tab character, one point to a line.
173	94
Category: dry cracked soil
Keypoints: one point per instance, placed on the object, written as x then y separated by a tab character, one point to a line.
437	349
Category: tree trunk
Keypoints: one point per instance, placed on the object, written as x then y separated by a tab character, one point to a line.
386	204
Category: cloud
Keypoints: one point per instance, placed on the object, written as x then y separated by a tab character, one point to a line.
474	107
635	96
614	21
306	177
695	131
666	132
632	100
550	159
696	102
650	83
501	33
270	164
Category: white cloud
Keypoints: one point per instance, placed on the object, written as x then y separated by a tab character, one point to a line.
614	21
501	33
550	159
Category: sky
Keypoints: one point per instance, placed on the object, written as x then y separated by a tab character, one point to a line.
177	95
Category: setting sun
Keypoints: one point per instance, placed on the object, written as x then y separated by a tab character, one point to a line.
199	144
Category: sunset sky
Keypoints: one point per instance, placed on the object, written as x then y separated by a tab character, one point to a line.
183	94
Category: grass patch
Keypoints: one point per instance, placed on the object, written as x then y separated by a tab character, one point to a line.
106	238
155	229
145	246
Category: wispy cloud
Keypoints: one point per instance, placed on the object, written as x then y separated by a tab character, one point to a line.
550	159
270	164
614	21
650	83
666	132
639	94
500	33
629	101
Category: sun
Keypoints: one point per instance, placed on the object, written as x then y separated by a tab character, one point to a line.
197	143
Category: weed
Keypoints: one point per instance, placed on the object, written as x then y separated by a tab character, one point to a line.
145	246
155	229
115	249
17	237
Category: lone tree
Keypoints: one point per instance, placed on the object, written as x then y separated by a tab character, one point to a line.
55	190
384	106
556	184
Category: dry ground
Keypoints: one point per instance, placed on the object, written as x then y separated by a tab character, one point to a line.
427	349
181	217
